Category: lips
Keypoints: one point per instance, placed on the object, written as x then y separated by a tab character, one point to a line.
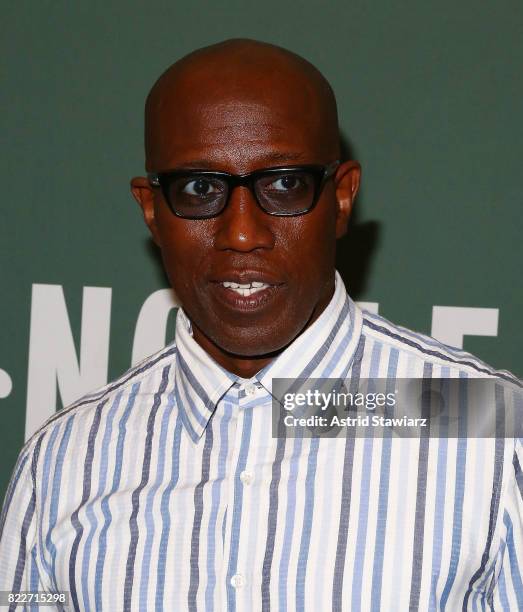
246	290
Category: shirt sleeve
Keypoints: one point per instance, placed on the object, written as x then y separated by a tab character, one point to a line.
508	593
19	567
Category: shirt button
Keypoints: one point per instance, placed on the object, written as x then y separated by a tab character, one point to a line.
246	477
237	581
250	388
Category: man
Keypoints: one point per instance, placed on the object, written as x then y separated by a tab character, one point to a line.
166	489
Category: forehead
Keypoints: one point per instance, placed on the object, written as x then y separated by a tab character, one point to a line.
236	121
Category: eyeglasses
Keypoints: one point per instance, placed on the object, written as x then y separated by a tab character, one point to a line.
282	192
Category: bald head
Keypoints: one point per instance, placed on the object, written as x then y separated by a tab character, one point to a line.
239	81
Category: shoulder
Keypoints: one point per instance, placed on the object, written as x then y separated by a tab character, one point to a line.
424	349
83	410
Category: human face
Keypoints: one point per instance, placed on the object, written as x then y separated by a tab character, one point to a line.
293	256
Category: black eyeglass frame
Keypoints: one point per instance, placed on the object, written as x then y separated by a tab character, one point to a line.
320	173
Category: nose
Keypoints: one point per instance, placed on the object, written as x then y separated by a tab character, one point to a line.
243	225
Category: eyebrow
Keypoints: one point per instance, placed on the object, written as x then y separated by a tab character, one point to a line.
290	156
275	157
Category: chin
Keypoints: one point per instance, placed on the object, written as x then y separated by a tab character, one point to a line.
253	342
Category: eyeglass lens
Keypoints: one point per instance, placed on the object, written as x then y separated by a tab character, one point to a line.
201	195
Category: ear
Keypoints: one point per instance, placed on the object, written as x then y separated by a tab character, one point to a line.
143	193
347	181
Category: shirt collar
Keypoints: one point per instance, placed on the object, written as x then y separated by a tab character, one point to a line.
326	349
200	382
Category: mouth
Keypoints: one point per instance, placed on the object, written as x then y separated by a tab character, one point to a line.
247	295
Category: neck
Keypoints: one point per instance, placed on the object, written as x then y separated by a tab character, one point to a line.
241	365
246	366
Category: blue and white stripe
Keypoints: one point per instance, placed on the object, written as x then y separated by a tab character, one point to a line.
165	490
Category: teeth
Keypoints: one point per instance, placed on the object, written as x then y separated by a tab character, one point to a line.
245	289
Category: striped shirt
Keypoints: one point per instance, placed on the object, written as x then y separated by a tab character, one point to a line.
166	490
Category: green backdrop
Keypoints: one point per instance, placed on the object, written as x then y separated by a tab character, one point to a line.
429	96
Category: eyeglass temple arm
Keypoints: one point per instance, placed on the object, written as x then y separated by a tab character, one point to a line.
153	179
331	168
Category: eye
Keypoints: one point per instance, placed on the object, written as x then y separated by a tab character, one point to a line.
200	187
288	182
